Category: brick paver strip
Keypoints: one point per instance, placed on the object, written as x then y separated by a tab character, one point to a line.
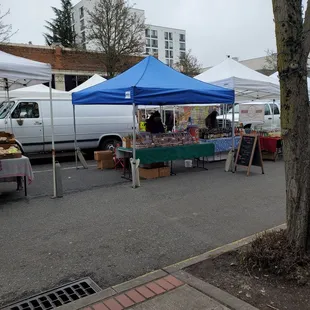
143	290
164	284
112	304
174	281
124	300
155	288
99	306
135	296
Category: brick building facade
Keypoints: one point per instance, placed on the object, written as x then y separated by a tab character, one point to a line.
70	67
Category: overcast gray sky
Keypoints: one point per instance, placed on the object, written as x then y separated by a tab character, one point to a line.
215	28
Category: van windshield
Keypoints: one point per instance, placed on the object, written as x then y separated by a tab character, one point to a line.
5	108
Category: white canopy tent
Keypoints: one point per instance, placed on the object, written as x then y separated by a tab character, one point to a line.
39	91
276	77
94	80
248	84
17	72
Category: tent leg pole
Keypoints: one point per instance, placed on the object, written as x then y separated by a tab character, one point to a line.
173	119
53	142
233	138
134	146
75	141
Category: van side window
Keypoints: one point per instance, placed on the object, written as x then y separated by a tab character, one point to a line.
275	108
26	110
267	109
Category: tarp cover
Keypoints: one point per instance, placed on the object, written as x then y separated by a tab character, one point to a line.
16	72
151	82
247	83
94	80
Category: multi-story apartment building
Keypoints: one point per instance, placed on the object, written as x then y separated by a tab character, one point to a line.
167	44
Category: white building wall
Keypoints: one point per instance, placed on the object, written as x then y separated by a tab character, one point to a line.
171	43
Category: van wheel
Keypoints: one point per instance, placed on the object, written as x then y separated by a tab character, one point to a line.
108	144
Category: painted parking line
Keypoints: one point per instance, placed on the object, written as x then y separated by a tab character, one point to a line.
66	168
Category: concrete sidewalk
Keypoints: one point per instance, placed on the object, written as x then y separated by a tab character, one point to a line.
160	290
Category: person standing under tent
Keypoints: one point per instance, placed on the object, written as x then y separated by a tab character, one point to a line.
211	121
154	124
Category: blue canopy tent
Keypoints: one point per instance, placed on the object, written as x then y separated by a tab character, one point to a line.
151	82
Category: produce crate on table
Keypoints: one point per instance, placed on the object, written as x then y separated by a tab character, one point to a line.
9	151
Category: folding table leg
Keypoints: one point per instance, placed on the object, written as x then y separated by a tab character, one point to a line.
25	185
171	170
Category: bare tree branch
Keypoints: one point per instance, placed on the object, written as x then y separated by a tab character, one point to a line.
116	31
188	64
6	30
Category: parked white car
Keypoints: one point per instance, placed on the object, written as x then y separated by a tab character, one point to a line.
98	126
271	119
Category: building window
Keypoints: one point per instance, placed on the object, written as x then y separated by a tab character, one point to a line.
182	54
169	62
182	47
154	34
171	54
182	37
147	32
72	18
166	44
82	25
166	36
170	36
166	53
148	42
81	12
154	51
171	45
154	43
147	51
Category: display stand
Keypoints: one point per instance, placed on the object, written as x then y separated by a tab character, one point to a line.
249	153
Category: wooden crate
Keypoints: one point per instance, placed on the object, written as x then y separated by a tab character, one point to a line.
164	172
148	173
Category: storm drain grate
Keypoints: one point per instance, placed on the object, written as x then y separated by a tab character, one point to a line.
57	297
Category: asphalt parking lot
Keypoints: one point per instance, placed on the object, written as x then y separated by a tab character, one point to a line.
104	229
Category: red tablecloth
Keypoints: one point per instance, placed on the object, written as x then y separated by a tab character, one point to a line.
269	144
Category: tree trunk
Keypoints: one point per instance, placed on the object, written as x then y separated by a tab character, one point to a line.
292	68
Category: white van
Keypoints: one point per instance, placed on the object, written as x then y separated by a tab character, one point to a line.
97	126
271	119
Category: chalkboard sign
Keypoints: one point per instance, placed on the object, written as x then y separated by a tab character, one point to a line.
249	153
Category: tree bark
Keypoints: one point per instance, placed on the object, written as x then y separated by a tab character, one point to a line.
295	120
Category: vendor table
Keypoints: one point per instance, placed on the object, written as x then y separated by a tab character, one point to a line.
11	169
222	144
165	154
271	145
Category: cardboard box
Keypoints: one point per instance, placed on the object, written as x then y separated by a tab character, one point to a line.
146	173
164	172
103	155
106	164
